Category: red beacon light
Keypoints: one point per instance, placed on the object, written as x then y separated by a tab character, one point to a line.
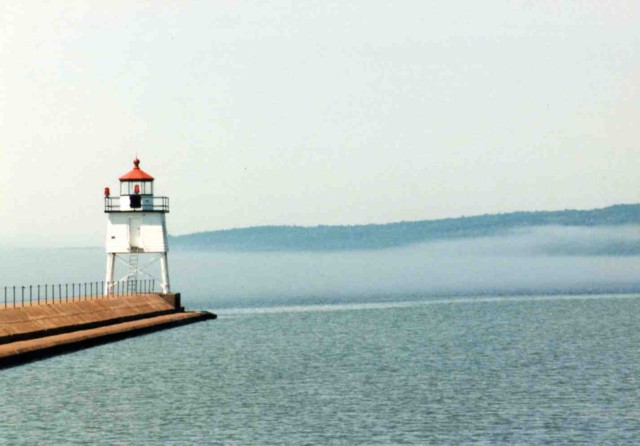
107	192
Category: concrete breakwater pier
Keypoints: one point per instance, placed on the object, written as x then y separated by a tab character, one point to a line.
40	330
43	320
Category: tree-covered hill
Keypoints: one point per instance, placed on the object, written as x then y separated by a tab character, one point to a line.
380	236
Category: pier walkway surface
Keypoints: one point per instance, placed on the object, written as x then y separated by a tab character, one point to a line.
41	330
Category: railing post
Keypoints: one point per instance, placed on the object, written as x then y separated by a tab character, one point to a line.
38	294
23	296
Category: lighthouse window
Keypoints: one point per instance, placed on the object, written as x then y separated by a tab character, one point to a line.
136	187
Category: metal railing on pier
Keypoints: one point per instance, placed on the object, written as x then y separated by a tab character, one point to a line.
29	295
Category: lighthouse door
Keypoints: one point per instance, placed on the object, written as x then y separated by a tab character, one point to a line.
135	224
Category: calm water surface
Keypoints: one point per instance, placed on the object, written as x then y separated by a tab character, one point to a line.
492	370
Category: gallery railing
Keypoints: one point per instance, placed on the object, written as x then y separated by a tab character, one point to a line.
23	296
134	203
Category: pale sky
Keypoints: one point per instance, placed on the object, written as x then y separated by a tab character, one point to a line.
314	112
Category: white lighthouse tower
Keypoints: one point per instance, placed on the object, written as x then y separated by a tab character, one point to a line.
136	228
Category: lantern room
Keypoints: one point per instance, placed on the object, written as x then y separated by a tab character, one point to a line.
136	182
136	193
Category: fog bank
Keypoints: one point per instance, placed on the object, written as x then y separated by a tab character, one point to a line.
540	260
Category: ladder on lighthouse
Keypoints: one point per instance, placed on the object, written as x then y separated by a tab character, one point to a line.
132	277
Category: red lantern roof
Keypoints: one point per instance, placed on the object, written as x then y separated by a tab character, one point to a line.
136	173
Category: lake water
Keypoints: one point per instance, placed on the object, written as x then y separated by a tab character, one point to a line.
319	367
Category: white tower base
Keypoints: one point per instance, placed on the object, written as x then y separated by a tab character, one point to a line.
128	282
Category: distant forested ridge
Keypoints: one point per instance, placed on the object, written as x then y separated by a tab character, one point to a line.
380	236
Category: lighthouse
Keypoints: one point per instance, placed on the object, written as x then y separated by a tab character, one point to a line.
136	230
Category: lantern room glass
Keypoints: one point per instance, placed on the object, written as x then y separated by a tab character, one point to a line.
129	187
